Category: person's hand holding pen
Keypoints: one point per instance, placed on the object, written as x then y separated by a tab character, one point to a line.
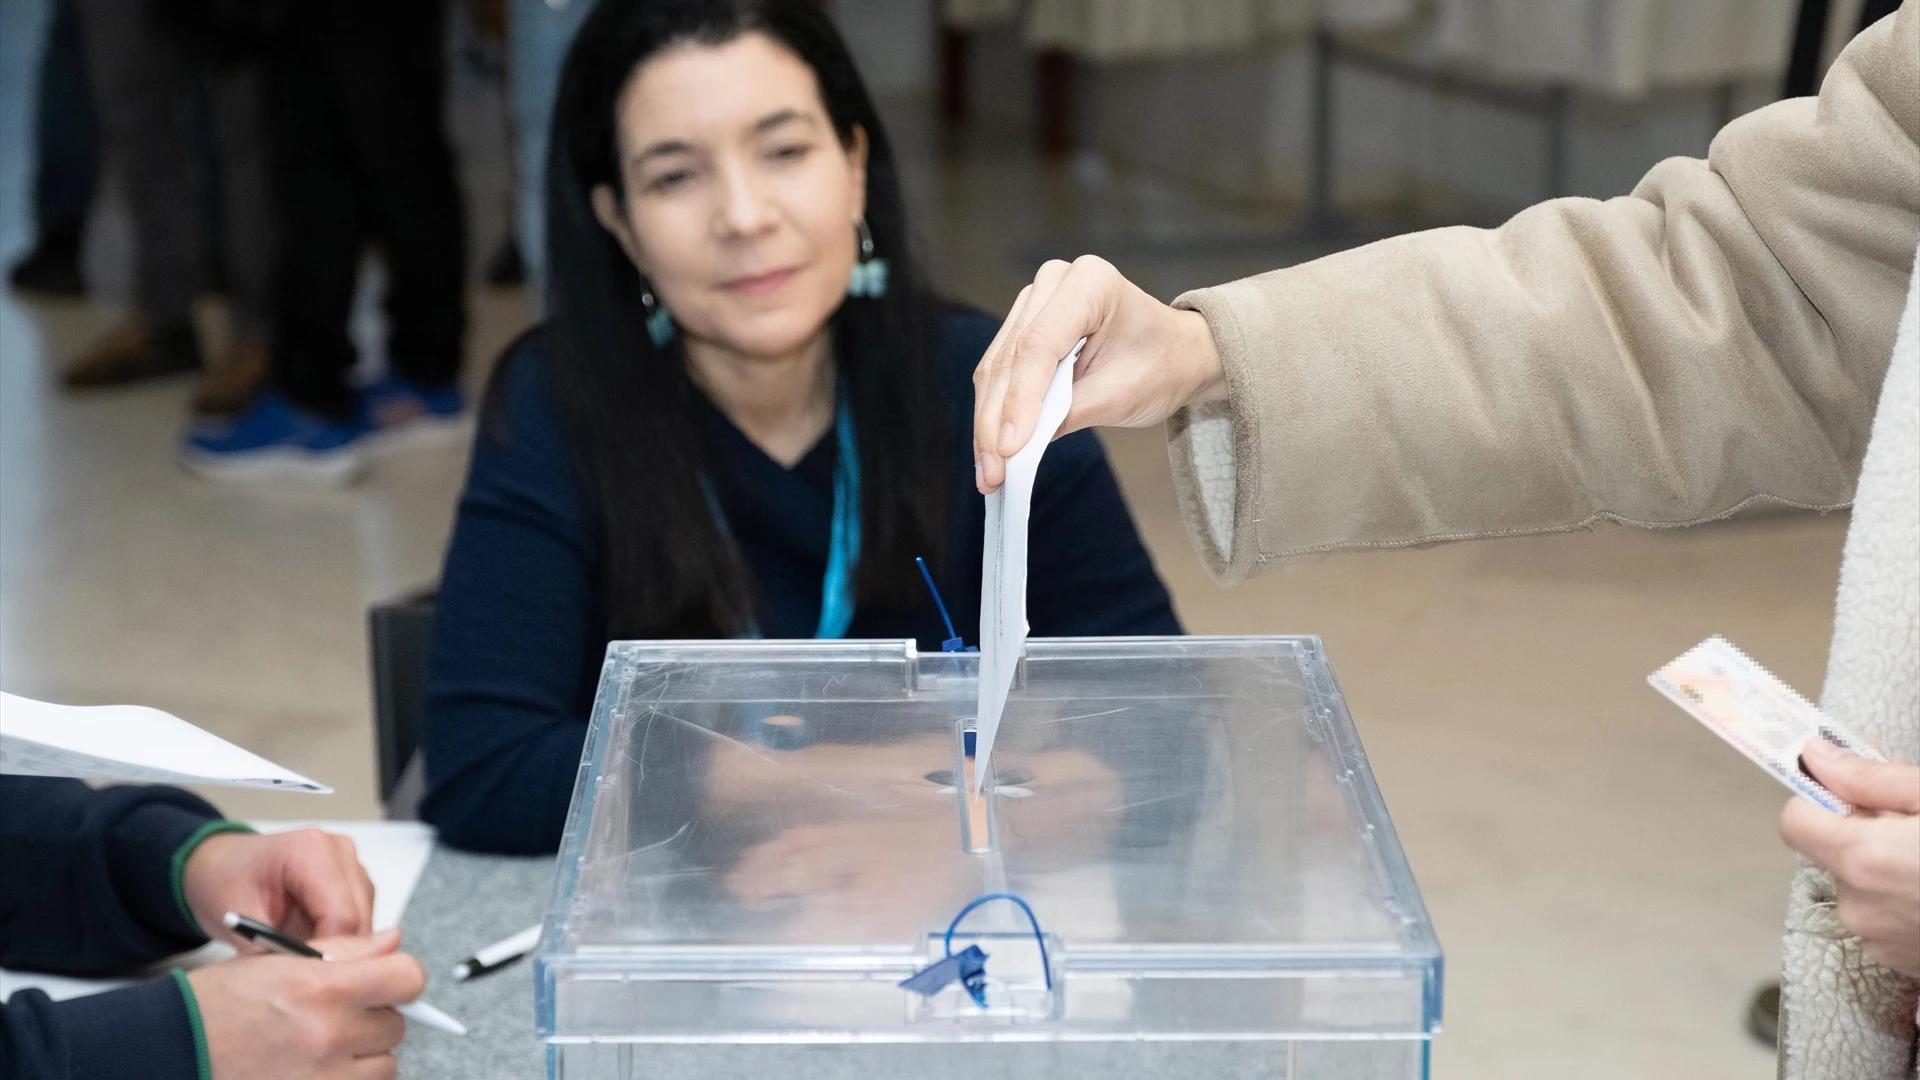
309	882
287	1018
1872	853
1143	361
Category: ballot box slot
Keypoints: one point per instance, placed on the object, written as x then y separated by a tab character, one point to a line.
975	807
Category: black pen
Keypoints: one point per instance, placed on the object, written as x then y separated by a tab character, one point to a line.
269	938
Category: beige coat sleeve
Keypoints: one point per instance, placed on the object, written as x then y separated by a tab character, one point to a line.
1717	337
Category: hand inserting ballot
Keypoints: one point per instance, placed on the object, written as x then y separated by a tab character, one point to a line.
1143	360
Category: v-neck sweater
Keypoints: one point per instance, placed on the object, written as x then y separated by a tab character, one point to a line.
780	517
521	626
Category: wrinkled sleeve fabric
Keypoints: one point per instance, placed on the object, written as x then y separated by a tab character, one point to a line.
1716	337
517	631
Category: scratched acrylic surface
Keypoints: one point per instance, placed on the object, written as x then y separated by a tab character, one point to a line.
765	833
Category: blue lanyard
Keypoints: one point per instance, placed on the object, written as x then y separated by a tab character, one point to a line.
843	544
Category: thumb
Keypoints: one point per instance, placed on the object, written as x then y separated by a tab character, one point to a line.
358	947
1868	784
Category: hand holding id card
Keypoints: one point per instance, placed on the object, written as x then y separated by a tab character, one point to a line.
1762	717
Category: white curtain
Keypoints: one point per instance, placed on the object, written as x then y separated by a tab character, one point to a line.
1621	48
1131	29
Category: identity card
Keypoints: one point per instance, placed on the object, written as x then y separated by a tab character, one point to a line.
1762	717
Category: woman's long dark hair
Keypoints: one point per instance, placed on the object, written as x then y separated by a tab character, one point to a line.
625	406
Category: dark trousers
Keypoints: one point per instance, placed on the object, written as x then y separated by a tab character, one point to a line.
144	83
357	92
67	134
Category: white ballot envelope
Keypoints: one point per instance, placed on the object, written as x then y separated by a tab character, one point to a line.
1003	571
129	743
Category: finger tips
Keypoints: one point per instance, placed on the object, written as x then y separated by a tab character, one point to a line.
410	979
335	890
342	946
1789	822
1000	398
1828	764
1875	785
992	471
1815	832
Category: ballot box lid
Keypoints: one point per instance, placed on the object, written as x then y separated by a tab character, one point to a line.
768	837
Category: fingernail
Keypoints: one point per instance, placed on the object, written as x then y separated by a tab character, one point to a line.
1820	748
1006	438
979	469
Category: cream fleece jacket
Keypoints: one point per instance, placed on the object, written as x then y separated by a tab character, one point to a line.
1719	337
1842	1014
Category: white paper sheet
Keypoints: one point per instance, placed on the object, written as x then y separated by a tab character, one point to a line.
129	743
1003	571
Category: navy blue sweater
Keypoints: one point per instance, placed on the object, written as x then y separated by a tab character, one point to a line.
86	888
520	631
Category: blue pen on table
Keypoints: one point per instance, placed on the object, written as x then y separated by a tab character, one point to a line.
269	938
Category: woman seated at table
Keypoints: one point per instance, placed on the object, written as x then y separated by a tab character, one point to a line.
745	417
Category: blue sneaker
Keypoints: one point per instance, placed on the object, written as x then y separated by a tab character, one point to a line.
276	440
401	414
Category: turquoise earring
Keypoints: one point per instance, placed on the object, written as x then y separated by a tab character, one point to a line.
869	274
659	319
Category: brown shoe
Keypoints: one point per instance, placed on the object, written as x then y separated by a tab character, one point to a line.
134	351
229	388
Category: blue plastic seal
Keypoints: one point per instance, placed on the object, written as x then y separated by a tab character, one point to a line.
968	967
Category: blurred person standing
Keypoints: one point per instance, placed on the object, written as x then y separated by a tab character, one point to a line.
66	145
146	60
356	91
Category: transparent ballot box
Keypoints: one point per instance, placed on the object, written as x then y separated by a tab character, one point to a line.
768	837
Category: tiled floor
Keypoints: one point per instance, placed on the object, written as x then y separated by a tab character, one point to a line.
1604	875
